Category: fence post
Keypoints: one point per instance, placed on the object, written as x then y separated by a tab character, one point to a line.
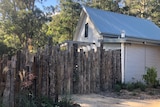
119	65
57	71
101	66
75	67
71	69
1	75
6	93
8	96
13	70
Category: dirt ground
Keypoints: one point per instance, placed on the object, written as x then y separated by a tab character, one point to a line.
96	100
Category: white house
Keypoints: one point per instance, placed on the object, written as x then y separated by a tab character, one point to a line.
138	39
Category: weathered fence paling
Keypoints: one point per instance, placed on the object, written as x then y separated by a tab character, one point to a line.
69	71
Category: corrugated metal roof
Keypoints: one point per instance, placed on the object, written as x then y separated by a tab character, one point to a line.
113	24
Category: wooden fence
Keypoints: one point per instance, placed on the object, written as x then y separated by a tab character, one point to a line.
55	71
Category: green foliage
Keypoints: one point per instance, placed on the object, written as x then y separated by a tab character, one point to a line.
104	4
123	86
65	102
151	77
145	9
27	99
117	88
23	20
136	85
130	86
4	49
140	85
148	9
62	26
44	101
9	44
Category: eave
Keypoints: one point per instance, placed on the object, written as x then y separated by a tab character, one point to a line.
130	40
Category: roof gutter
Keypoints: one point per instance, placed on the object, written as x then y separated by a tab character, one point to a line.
130	40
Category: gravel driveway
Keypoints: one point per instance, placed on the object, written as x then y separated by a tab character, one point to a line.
95	100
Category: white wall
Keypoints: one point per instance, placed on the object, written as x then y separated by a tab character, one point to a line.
93	35
153	58
112	46
137	58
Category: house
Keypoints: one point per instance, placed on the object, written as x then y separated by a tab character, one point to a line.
138	39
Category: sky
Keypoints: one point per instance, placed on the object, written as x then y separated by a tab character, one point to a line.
47	3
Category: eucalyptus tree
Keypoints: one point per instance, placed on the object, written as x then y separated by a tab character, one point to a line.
22	19
63	24
148	9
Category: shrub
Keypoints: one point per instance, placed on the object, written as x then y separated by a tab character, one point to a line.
143	87
4	49
140	85
124	86
151	77
25	100
44	101
117	88
133	86
65	102
127	86
130	86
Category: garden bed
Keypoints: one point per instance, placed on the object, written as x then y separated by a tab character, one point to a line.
149	93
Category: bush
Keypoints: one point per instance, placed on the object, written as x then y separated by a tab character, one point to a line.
26	99
130	86
117	88
140	85
133	86
44	101
65	102
151	77
6	50
124	86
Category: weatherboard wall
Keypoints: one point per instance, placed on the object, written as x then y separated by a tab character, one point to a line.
93	35
113	46
137	58
153	58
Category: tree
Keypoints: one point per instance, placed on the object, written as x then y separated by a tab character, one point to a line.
111	5
8	43
148	9
155	16
22	19
63	25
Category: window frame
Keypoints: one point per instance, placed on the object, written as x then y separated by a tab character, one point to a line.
86	31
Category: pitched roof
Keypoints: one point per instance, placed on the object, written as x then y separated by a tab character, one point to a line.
110	23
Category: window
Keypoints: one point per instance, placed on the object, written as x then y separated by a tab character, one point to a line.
86	30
